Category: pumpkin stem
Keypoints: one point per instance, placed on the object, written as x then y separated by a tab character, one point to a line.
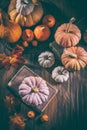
68	25
61	72
35	89
70	54
42	28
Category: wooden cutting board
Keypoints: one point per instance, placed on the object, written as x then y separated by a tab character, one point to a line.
14	83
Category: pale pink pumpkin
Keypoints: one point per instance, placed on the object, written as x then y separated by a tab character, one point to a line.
67	34
34	90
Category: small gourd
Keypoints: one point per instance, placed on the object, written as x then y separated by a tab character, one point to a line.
60	74
42	32
34	90
46	59
44	118
49	20
25	12
68	34
27	35
31	114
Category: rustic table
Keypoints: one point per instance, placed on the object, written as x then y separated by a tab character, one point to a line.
68	109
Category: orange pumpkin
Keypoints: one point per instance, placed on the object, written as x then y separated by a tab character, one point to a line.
10	31
31	114
27	35
49	20
34	43
42	32
74	58
25	44
44	118
67	34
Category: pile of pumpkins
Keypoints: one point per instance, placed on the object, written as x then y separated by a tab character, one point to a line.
73	57
26	13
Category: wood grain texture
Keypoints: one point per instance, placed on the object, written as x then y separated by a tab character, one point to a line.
68	110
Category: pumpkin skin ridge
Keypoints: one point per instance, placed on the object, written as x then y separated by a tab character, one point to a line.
45	96
21	87
29	83
13	15
82	64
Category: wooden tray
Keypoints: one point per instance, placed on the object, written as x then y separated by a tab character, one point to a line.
18	78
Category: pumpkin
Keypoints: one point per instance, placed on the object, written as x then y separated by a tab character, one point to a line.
74	58
35	43
28	35
25	44
42	32
67	34
9	30
46	59
60	74
25	12
34	90
31	114
44	118
49	20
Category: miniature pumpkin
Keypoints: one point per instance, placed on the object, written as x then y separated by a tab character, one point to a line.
46	59
67	34
35	43
34	90
74	58
44	118
25	12
42	32
28	35
60	74
9	30
49	20
31	114
25	44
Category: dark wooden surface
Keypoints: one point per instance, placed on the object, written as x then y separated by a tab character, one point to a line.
68	110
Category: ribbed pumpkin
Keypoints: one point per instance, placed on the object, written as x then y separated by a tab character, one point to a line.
67	34
60	74
46	59
74	58
25	12
34	90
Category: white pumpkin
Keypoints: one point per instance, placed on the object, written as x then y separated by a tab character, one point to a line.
25	12
60	74
46	59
